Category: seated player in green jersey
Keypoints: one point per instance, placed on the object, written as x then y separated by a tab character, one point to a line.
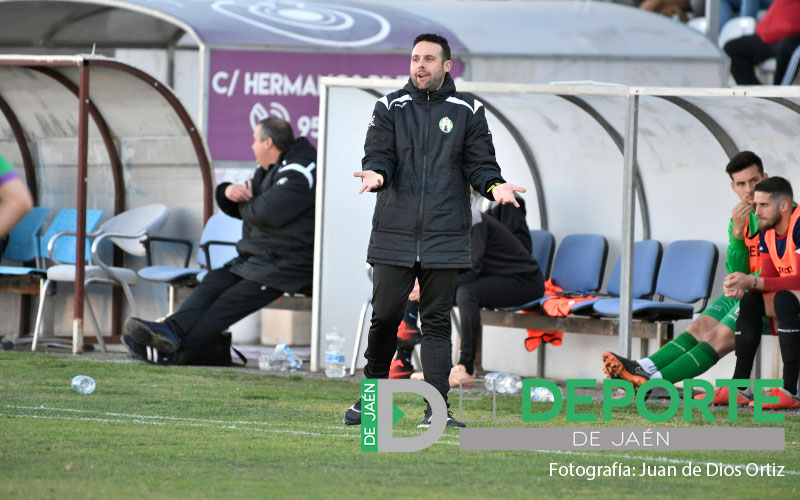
710	337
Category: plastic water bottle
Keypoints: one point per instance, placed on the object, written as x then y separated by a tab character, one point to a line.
541	395
267	363
281	360
503	383
334	356
292	363
83	384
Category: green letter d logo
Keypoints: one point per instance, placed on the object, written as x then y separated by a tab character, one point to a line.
386	390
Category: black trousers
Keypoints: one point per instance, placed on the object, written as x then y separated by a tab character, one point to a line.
221	299
391	286
748	51
490	291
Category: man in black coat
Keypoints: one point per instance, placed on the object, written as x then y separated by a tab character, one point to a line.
275	252
503	274
426	144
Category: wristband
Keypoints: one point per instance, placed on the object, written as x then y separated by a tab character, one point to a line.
755	282
493	186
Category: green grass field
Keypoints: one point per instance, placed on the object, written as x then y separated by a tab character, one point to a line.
190	432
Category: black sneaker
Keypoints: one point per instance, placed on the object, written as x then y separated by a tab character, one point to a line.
146	353
153	334
353	414
451	422
616	366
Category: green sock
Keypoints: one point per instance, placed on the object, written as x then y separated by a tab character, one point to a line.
673	350
693	363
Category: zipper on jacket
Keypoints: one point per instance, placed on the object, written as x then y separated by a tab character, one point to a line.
424	170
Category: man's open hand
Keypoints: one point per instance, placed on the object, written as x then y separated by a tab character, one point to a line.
370	180
504	193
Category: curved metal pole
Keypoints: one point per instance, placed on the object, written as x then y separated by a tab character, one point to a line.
191	129
24	150
105	133
719	133
119	190
30	179
119	193
784	102
620	143
527	153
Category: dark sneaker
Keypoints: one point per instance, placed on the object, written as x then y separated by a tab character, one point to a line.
353	414
153	334
401	368
146	353
618	367
451	422
407	337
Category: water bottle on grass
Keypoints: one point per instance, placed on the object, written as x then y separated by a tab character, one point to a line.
83	384
541	395
503	383
281	360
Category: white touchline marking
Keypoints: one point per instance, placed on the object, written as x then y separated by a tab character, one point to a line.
236	425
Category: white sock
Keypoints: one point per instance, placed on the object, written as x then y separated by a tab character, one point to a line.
648	366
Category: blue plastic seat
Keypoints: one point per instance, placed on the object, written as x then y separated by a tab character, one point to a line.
646	259
22	241
64	250
127	231
578	266
216	248
543	244
685	276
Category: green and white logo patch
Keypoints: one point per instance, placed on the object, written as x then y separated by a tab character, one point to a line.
446	125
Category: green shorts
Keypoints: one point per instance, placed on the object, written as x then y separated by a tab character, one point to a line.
726	311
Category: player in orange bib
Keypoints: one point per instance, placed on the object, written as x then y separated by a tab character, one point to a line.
775	292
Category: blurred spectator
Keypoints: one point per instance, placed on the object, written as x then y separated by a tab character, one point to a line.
777	35
728	9
669	8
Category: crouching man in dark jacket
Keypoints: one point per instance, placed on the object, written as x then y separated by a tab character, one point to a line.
503	274
426	144
275	252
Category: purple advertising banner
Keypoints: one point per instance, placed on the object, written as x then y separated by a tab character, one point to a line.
247	86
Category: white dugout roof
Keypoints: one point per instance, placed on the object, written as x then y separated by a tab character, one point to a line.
626	162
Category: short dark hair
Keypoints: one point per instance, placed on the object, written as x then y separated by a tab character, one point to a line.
776	187
742	160
434	38
278	130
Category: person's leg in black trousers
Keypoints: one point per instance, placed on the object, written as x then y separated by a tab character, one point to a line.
221	299
783	50
745	52
436	294
490	291
748	333
391	286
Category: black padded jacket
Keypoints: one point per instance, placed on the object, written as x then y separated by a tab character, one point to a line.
429	147
277	245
